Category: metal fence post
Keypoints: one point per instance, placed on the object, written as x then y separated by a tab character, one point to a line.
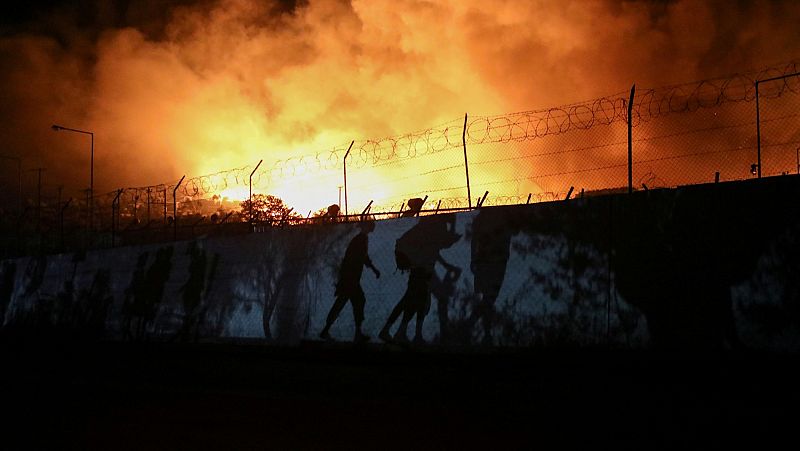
758	133
66	204
251	191
165	206
344	164
466	163
758	116
630	140
175	209
148	204
115	215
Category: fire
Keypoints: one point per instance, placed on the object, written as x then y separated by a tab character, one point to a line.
224	84
237	193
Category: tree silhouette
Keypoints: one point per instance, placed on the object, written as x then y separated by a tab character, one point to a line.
267	209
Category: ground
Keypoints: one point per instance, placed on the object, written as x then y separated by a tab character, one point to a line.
108	395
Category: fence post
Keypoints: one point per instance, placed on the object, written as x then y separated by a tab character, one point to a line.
630	141
344	164
39	200
175	209
758	115
251	192
482	200
114	216
758	132
366	210
165	206
148	204
466	163
66	204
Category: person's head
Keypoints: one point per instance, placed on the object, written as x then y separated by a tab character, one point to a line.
415	204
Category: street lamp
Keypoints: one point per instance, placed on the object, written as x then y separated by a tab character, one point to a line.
91	167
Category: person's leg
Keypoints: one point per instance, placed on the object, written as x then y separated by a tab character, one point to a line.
358	301
487	316
337	307
398	308
418	332
417	289
422	309
401	333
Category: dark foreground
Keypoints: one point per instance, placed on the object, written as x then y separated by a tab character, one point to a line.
234	396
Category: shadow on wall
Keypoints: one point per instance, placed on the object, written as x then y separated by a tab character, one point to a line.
554	293
677	254
144	294
417	252
674	255
78	313
194	290
291	257
8	272
771	299
544	274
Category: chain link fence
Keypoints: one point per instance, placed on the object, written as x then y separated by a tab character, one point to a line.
722	129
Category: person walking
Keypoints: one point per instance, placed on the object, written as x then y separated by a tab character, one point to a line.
348	288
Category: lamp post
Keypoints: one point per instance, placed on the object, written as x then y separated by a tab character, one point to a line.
91	166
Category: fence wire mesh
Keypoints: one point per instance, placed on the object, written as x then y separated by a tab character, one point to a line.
683	134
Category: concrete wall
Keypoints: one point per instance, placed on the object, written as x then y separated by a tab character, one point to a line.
703	266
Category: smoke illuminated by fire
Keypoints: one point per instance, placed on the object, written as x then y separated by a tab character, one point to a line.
223	84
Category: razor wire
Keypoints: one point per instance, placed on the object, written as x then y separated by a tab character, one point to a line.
521	126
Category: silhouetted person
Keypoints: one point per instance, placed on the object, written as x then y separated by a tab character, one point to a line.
414	207
348	288
418	251
332	214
